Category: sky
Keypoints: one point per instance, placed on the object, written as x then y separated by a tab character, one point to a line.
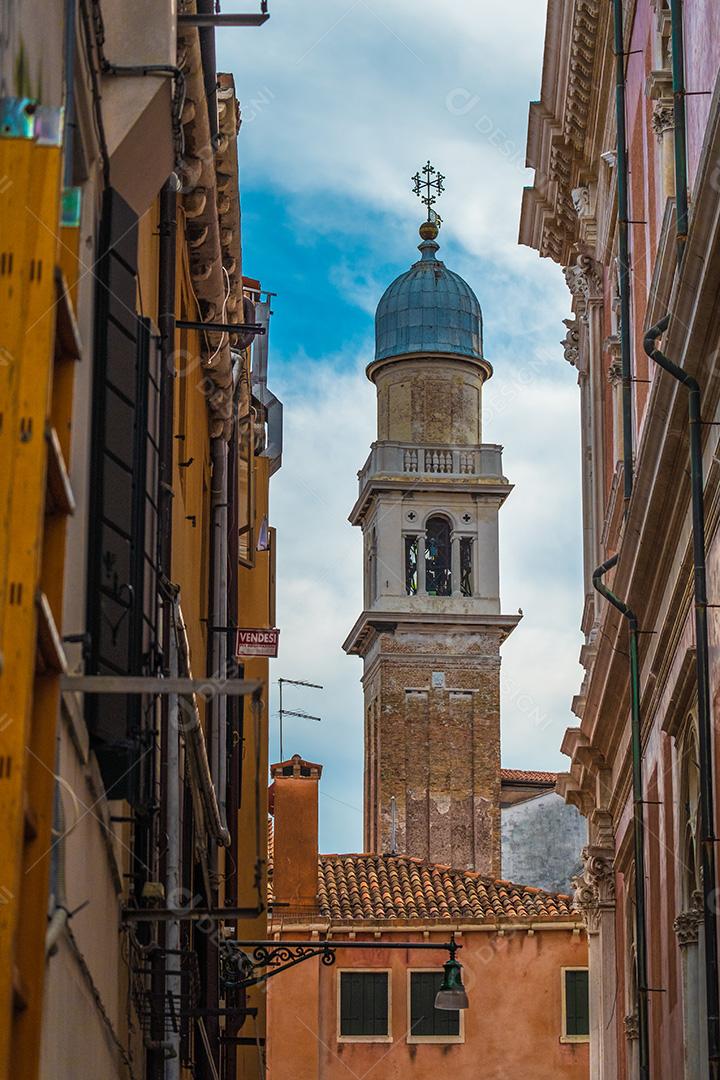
342	101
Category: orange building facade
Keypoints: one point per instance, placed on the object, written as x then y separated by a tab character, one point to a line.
521	950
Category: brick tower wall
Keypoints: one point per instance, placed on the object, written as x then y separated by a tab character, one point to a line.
435	748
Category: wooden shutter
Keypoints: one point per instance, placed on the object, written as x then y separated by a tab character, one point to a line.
577	1010
425	1019
364	1003
121	604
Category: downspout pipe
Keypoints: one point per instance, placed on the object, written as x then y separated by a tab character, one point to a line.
638	815
623	251
173	868
167	258
707	798
70	31
219	615
680	134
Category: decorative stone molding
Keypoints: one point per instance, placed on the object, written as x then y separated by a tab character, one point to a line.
601	829
663	118
595	887
614	375
560	163
581	201
571	341
631	1025
585	280
583	47
584	200
687	924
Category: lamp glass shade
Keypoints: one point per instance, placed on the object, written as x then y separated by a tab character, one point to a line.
451	995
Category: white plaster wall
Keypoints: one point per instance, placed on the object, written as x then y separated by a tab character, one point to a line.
541	842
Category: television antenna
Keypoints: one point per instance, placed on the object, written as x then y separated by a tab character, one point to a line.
294	712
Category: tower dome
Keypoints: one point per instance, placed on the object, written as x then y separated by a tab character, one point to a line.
428	309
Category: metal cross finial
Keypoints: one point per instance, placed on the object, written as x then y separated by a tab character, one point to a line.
427	181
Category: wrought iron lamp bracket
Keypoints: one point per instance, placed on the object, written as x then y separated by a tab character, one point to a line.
241	970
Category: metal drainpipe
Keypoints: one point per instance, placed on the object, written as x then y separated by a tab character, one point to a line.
678	83
219	615
70	121
166	326
623	252
638	815
707	798
172	850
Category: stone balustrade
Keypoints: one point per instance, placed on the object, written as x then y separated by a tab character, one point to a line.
395	459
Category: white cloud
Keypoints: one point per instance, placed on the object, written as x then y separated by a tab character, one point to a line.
350	98
342	102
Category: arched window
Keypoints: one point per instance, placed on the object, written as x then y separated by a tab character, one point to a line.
438	578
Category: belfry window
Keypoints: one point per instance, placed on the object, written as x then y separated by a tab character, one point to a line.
411	565
466	583
438	577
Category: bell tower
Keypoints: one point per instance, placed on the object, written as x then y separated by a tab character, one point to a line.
431	628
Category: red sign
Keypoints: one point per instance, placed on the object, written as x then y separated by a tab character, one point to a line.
257	642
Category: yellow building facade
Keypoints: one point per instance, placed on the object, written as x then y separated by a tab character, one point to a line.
137	446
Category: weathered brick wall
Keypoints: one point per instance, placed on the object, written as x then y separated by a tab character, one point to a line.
436	749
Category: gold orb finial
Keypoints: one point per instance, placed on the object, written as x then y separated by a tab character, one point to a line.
428	230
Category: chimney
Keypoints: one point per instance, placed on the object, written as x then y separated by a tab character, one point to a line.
294	806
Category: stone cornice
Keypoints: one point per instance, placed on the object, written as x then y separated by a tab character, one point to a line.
559	209
372	623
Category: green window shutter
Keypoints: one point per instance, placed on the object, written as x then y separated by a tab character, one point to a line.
364	1003
577	1004
425	1019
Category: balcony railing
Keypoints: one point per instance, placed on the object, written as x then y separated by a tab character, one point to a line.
395	459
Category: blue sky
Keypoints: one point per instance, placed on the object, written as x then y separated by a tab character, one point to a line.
342	101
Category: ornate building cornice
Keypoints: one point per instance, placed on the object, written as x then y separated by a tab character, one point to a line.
583	48
558	210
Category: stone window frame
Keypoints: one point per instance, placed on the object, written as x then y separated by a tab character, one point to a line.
564	1037
441	1040
388	1038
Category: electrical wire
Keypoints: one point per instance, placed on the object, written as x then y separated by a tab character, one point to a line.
224	306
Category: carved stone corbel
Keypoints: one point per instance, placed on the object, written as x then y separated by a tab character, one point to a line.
595	888
571	341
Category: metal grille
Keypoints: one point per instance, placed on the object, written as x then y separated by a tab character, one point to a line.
165	987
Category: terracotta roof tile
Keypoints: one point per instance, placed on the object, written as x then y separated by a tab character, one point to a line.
527	776
399	887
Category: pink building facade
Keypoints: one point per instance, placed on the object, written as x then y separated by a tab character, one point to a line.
572	214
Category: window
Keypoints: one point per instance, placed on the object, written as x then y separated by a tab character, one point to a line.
438	580
576	1006
426	1023
411	561
364	1006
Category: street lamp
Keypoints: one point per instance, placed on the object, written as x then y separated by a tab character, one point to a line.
241	969
452	995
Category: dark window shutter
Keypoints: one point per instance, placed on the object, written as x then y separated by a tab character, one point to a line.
425	1019
120	601
364	1003
577	1005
